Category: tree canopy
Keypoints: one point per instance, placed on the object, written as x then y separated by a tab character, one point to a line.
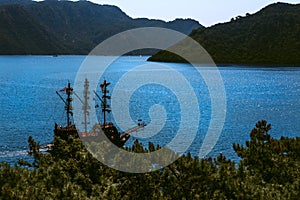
269	169
270	36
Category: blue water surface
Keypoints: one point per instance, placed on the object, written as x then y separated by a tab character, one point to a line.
30	106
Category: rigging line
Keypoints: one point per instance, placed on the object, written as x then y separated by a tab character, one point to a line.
51	116
62	117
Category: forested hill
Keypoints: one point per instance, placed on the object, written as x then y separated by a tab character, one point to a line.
66	27
270	36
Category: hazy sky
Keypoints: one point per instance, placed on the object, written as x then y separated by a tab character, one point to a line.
207	12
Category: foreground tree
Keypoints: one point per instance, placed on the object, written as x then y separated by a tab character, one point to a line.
269	169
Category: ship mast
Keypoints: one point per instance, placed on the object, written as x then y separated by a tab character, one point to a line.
68	102
105	106
86	106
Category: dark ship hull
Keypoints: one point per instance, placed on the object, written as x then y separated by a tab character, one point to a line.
110	131
65	131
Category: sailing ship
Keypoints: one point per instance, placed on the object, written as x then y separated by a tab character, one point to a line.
107	127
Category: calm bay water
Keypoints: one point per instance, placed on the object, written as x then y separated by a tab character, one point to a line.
30	107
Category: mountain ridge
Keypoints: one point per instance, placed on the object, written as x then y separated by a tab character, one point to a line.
70	27
269	36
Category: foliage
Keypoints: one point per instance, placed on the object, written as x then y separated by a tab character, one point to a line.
66	27
270	36
269	169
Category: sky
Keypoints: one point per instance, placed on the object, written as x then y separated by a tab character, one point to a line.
207	12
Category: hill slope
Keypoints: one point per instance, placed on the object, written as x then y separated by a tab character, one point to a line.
20	33
270	36
65	27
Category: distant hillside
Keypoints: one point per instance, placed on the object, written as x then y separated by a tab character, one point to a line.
20	33
270	36
66	27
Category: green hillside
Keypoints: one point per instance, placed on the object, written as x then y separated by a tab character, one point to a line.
270	36
66	27
20	33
